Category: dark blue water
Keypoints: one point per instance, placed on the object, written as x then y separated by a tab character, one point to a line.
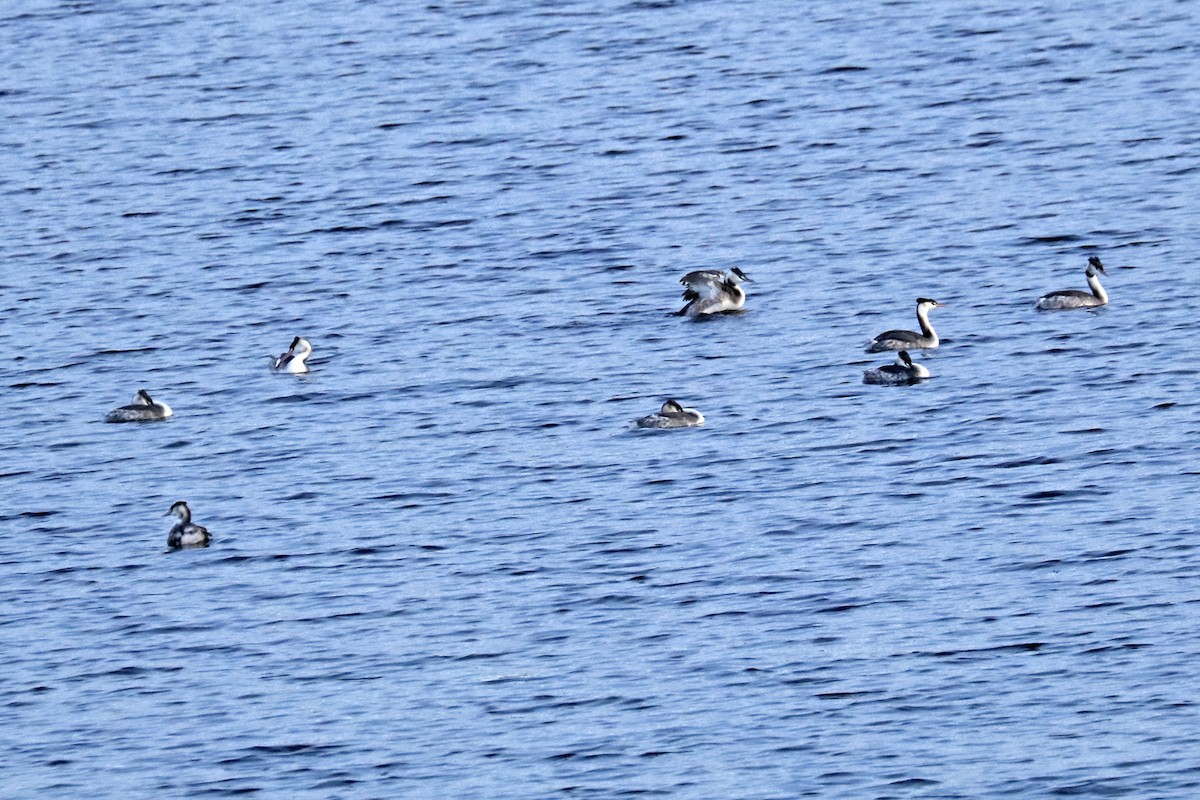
445	564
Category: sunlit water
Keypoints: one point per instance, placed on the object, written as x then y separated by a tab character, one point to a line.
445	564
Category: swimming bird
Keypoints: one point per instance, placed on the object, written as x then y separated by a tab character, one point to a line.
1074	298
291	361
711	291
184	533
904	371
672	415
144	408
927	339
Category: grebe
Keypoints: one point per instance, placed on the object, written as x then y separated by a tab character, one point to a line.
1074	298
672	415
711	291
291	361
927	339
904	371
143	409
184	533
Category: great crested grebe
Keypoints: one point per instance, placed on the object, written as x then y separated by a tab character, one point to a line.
293	361
927	339
711	291
184	533
672	415
1074	298
143	409
904	371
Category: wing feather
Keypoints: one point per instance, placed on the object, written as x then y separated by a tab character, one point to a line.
703	284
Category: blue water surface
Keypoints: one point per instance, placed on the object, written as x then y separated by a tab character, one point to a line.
445	563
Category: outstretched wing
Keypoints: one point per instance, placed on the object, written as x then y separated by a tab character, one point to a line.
702	284
707	275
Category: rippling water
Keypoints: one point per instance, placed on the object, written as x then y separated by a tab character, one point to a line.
445	564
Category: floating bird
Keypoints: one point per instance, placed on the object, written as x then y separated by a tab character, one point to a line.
292	361
904	371
711	291
672	415
184	533
1074	298
927	339
143	409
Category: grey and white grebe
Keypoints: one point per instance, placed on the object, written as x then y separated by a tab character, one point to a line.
144	408
184	533
672	415
927	339
904	371
1074	298
292	361
711	291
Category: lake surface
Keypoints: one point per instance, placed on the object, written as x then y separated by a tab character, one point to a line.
445	564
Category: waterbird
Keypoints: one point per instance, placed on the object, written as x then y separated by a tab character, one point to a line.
672	415
711	291
1074	298
292	361
904	371
144	408
927	339
184	533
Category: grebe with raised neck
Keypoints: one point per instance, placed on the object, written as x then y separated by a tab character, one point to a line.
292	361
1074	298
184	533
672	415
927	339
904	371
144	408
711	291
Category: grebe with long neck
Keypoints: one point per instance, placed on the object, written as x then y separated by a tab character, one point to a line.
672	415
184	533
1074	298
292	361
927	339
904	371
711	291
144	408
